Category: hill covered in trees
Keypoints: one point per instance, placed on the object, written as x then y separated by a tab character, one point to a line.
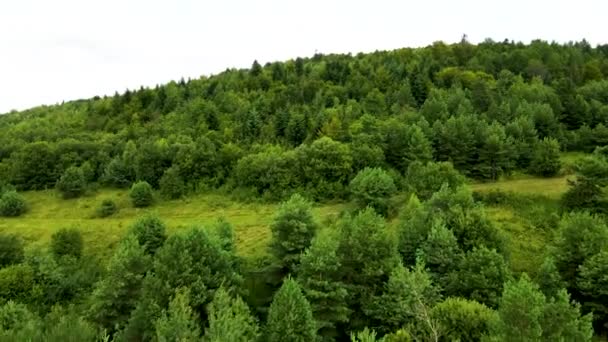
398	134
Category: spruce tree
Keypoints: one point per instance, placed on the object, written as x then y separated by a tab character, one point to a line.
319	274
116	295
230	320
179	322
290	316
293	228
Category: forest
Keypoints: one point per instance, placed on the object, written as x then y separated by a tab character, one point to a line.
384	183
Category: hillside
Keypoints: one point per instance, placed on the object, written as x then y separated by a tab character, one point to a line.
451	192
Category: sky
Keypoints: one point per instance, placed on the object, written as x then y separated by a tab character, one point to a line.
61	50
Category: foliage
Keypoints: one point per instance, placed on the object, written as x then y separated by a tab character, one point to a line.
171	184
178	323
319	276
463	320
11	250
107	208
230	320
426	179
149	231
67	242
546	162
117	293
141	194
293	228
290	316
72	183
12	204
374	188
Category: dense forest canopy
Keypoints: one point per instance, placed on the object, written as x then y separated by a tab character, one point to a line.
412	124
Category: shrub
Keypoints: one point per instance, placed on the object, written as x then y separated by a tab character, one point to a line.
72	183
171	184
11	250
107	208
545	161
373	187
12	204
141	194
16	282
426	179
67	242
150	232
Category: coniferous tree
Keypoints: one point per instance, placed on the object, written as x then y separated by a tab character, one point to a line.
179	322
290	316
320	276
292	229
116	295
230	320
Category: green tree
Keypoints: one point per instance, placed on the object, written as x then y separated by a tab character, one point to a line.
546	159
118	292
293	228
319	274
72	183
67	241
520	311
480	276
178	323
549	279
579	237
407	299
12	204
290	316
150	232
11	250
441	253
368	255
426	179
230	320
171	184
373	187
461	319
141	194
593	284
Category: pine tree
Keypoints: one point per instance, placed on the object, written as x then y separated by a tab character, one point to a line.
290	316
116	295
319	274
293	228
230	320
178	323
440	253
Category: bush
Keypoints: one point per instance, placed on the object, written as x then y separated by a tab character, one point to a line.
463	320
67	242
373	187
11	250
12	204
426	179
72	183
150	232
171	184
141	194
545	161
16	282
107	208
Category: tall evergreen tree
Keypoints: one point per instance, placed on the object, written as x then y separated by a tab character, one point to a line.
230	320
293	228
290	316
320	276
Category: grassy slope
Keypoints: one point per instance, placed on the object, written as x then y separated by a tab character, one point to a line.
48	213
527	241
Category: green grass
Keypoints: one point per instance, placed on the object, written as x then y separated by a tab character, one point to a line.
551	188
48	212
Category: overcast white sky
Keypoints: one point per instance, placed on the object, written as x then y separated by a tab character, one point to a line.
69	49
